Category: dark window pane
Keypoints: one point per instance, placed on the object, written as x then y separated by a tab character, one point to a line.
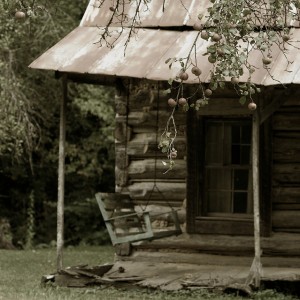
246	134
241	179
235	154
218	179
214	146
219	202
213	154
214	132
235	134
240	203
245	155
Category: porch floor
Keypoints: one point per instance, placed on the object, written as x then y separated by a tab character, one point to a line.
211	261
176	276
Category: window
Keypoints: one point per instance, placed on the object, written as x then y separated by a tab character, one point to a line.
219	171
227	168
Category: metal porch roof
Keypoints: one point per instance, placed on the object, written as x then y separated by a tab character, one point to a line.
155	13
147	52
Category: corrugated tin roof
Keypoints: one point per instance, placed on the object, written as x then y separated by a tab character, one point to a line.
147	52
156	13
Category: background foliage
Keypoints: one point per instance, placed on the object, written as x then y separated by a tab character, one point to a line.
29	118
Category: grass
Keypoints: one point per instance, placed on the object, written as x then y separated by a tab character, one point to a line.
21	272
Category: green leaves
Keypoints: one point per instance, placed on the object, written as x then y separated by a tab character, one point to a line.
28	97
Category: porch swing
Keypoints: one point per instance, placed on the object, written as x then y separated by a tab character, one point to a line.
124	224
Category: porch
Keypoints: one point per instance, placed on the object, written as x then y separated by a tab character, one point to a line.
280	249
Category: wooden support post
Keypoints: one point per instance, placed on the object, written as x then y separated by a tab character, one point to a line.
255	271
61	176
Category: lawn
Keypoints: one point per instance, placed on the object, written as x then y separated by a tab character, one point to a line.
21	272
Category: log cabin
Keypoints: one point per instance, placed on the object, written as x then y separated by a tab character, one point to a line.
228	157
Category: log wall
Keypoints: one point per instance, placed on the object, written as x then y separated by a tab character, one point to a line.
141	115
286	167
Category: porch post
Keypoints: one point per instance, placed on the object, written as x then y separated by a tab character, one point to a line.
61	175
255	272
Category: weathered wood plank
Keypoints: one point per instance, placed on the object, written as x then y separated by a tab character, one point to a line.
286	206
150	168
146	145
181	129
149	118
286	219
203	225
122	159
286	195
216	106
174	203
121	176
286	174
265	169
162	212
286	121
163	190
291	102
121	104
122	132
286	150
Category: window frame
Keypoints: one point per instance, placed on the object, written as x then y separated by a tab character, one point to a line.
234	224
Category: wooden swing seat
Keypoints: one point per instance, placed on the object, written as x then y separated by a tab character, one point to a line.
125	225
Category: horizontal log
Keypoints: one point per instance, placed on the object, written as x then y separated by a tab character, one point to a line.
286	150
286	195
286	174
162	190
286	121
162	212
150	118
287	134
286	219
224	226
291	102
146	145
175	203
181	129
151	168
286	206
216	107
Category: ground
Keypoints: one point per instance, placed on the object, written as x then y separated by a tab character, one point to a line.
21	272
